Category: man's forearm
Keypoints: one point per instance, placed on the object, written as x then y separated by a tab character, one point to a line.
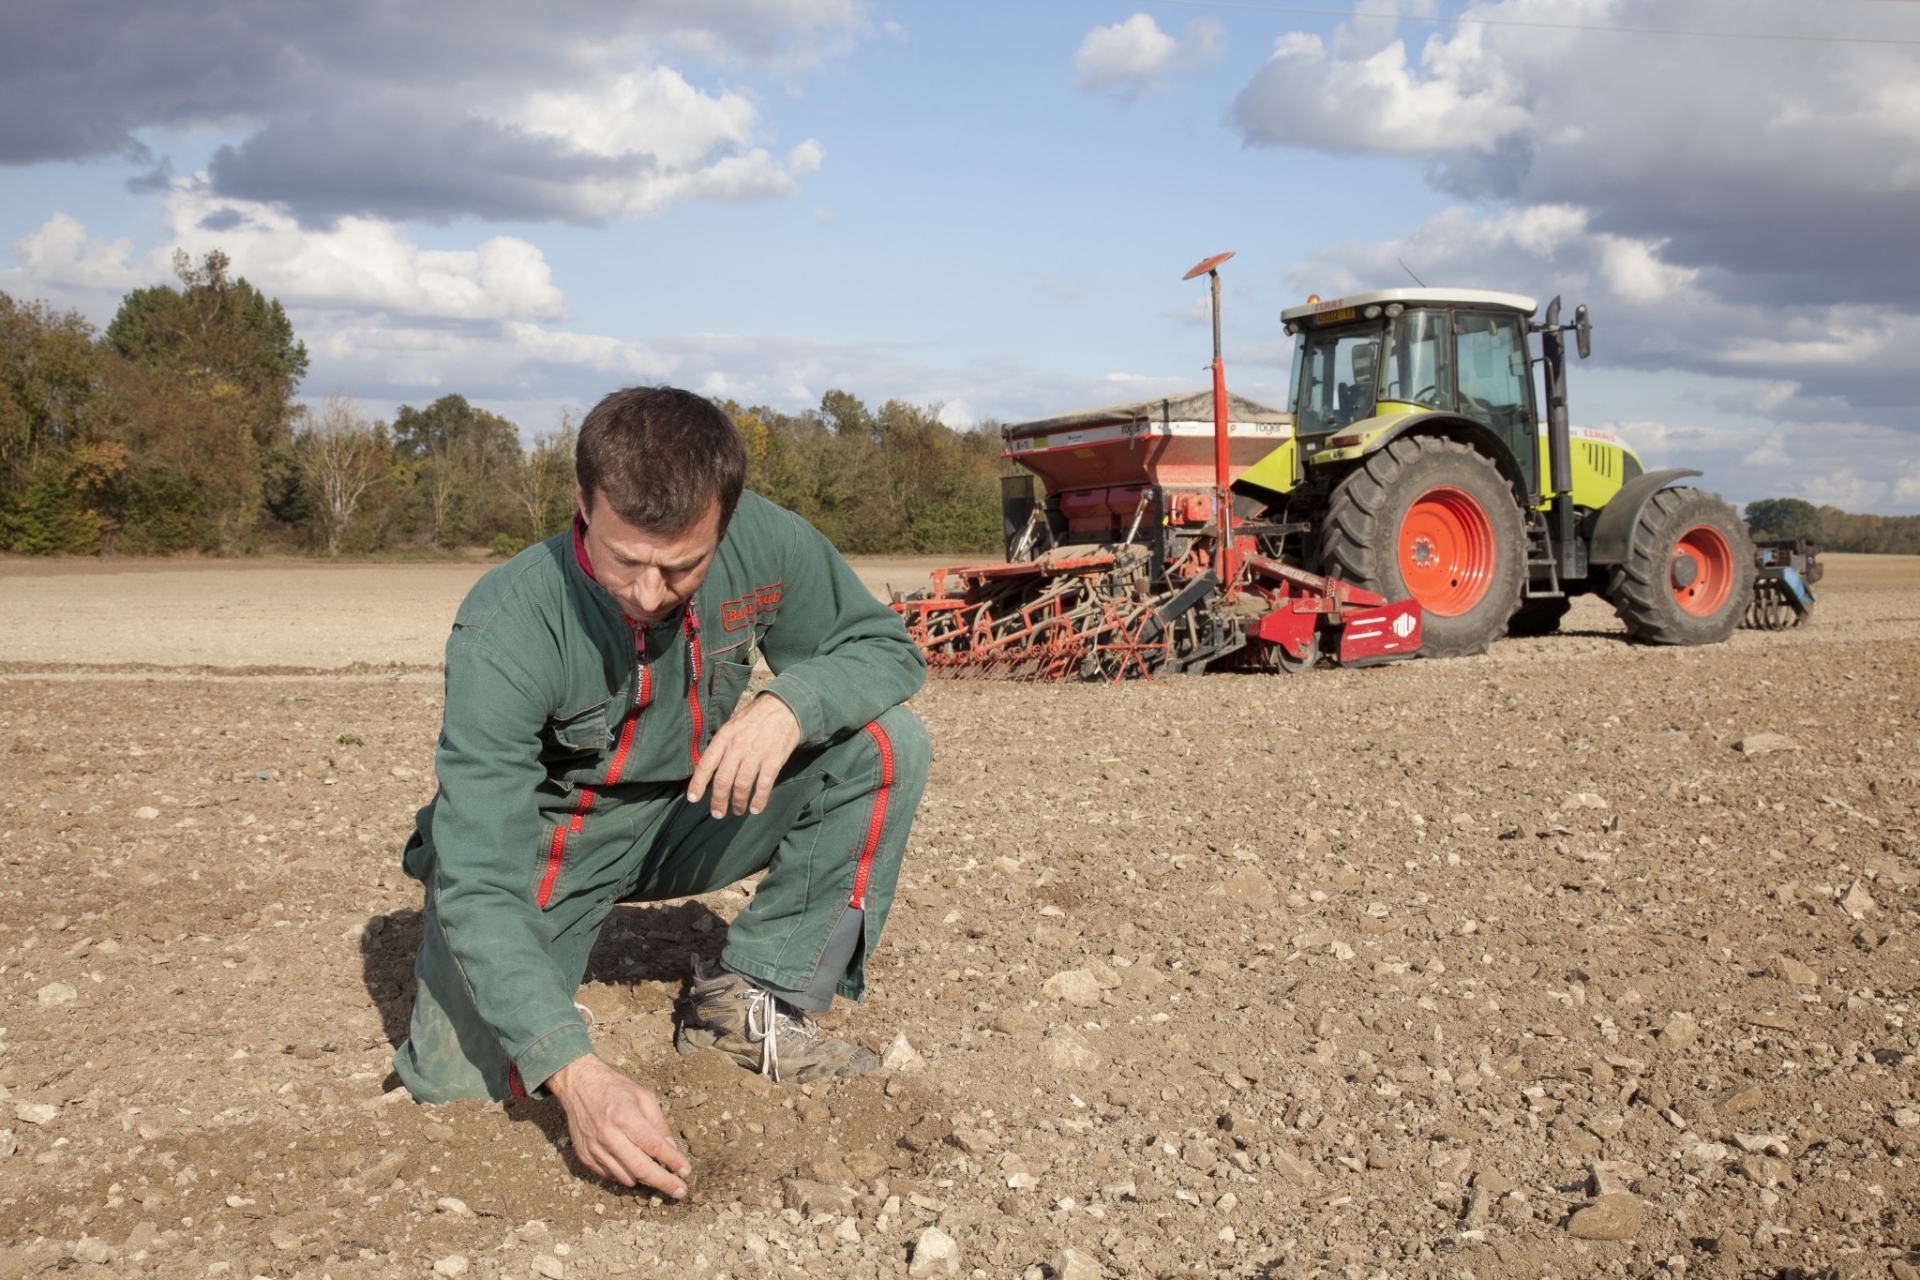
515	985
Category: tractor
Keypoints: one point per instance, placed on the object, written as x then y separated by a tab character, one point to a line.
1416	498
1422	466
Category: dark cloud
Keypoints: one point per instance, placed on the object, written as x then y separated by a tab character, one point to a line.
407	165
222	220
155	180
88	78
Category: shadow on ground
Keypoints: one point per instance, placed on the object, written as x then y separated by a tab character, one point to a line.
639	943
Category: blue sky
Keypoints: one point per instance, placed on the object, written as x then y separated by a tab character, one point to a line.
990	206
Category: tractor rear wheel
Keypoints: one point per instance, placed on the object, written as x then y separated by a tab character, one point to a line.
1432	520
1538	617
1690	578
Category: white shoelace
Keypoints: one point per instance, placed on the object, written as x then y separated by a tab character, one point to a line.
763	1020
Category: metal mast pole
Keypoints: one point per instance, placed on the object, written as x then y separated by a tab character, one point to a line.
1227	559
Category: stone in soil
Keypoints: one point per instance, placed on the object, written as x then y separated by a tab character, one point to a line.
1073	986
1610	1217
1791	971
1071	1264
935	1253
1068	1050
901	1056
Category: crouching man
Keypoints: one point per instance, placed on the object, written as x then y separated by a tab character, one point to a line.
591	754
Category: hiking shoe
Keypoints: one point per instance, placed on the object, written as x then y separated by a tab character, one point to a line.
725	1011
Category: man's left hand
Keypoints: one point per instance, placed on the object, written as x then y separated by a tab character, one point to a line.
746	756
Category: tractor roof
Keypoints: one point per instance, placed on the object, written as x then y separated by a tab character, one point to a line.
1416	298
1191	406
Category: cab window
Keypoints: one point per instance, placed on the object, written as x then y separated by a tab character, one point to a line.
1336	379
1418	371
1492	360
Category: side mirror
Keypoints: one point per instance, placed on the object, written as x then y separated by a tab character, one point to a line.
1582	331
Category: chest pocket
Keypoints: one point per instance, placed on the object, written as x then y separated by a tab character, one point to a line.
723	697
583	733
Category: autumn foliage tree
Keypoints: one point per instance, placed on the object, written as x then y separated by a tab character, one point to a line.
177	429
201	396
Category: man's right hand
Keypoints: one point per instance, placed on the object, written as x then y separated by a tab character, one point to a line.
618	1129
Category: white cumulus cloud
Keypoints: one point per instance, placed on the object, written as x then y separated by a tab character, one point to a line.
359	264
1135	57
1458	99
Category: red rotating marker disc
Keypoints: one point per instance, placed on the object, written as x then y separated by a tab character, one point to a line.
1208	265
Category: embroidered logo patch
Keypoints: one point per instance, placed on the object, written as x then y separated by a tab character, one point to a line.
759	604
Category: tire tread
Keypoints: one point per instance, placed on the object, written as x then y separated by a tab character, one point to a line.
1638	588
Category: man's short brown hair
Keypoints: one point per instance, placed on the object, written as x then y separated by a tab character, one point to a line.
658	456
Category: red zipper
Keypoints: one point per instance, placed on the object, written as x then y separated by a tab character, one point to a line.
692	629
876	822
557	846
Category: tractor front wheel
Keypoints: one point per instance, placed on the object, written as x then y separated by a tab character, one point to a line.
1690	578
1432	520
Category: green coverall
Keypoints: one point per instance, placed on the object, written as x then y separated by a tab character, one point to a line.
567	741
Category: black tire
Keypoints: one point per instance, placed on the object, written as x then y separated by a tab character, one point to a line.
1538	617
1359	541
1644	590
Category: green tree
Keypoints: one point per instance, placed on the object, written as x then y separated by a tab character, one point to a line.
49	375
216	324
888	481
463	460
54	477
1782	518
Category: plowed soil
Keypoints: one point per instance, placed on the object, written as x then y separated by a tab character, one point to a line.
1443	968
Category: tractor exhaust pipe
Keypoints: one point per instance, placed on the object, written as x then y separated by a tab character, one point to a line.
1570	552
1553	347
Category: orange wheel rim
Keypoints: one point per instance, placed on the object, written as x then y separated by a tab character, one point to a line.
1700	571
1447	551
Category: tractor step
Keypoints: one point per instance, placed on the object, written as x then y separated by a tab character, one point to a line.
1541	563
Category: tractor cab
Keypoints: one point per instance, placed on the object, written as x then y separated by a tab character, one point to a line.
1364	362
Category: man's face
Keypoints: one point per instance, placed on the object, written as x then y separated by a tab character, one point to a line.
650	574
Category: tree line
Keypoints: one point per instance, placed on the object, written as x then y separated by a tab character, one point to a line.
1832	528
176	429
